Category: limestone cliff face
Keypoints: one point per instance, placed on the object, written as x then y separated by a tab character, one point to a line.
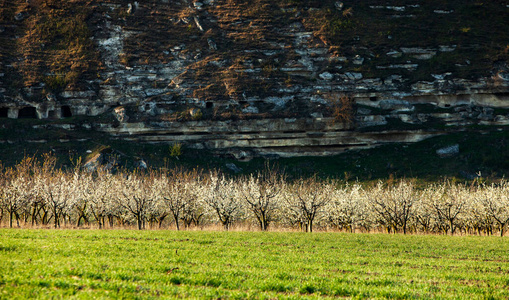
269	77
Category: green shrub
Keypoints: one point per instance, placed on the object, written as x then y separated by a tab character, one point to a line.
55	82
176	150
195	114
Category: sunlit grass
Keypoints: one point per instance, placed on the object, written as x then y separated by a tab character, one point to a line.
148	264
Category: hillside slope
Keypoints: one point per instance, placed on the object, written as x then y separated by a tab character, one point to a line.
258	77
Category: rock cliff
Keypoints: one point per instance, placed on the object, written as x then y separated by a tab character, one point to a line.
258	77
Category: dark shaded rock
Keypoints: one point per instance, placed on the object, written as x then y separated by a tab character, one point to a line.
20	16
233	167
396	105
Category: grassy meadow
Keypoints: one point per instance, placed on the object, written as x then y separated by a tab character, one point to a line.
130	264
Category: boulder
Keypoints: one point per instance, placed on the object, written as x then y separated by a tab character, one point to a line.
20	16
195	113
233	167
503	75
198	5
412	119
250	110
51	97
443	12
240	155
408	66
371	120
363	111
441	76
394	54
501	120
352	76
318	99
445	48
357	60
279	102
486	114
449	151
396	8
212	44
120	114
94	162
396	105
424	56
141	164
326	76
419	53
317	115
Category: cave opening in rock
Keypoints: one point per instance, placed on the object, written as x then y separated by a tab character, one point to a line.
4	112
209	104
28	112
115	105
373	98
66	111
52	114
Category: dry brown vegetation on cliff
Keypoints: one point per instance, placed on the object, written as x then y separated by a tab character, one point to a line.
228	39
56	46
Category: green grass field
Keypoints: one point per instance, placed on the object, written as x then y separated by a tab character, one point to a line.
238	265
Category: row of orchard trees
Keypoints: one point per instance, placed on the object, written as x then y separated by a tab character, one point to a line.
35	193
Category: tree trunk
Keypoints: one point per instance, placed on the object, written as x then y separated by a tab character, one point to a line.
264	225
226	225
262	220
56	218
34	214
309	226
139	222
176	218
196	219
11	213
46	218
187	222
265	222
160	221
